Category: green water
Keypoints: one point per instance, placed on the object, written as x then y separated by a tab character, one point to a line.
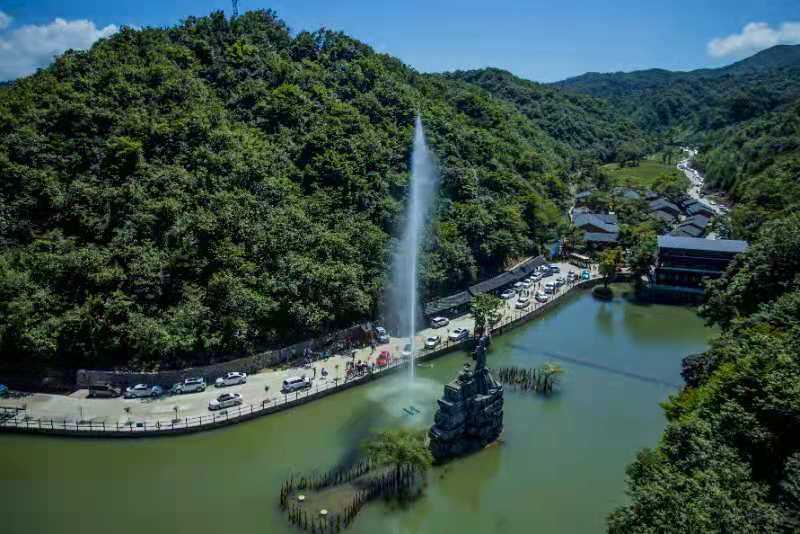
559	468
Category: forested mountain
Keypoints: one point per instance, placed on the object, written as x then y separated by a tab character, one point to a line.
588	124
685	106
222	185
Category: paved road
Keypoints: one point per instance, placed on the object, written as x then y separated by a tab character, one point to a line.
264	386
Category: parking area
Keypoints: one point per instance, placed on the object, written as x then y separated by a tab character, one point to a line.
263	387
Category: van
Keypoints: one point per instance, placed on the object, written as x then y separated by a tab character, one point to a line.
295	383
103	390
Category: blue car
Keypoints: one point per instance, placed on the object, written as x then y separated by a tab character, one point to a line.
3	390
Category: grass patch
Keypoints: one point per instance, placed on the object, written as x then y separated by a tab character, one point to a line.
641	176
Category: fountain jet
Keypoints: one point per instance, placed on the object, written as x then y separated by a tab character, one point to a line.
423	183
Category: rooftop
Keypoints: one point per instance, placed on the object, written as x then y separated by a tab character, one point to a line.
446	303
662	203
604	221
698	243
599	237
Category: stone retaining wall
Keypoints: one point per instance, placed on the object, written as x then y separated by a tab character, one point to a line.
248	364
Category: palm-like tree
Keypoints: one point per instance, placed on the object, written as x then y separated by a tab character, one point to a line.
399	449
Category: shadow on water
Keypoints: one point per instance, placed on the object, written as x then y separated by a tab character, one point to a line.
600	367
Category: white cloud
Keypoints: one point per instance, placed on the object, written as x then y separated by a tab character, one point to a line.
25	49
5	20
754	37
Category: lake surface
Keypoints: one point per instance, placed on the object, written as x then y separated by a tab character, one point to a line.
559	468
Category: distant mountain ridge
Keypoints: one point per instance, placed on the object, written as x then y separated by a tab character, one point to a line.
607	84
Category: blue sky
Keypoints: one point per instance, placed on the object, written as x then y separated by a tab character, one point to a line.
540	40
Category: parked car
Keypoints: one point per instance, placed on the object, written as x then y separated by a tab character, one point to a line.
102	390
541	296
458	334
507	294
572	276
526	284
143	390
295	383
406	353
550	288
3	390
517	285
190	385
560	281
439	322
547	274
381	334
555	268
226	400
231	379
432	342
522	303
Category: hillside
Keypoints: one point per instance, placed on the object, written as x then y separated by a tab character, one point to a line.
687	105
589	125
174	194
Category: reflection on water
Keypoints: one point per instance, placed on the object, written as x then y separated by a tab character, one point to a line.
558	451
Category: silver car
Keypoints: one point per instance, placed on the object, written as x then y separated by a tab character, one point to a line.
226	400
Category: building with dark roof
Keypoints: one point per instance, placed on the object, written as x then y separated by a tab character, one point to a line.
600	238
627	193
493	285
450	306
596	222
698	221
684	263
663	216
662	204
700	208
687	230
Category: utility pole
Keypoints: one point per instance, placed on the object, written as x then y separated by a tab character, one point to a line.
235	9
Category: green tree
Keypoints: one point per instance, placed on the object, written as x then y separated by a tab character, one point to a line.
641	255
404	448
485	307
611	260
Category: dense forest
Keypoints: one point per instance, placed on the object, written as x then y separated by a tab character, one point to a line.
221	186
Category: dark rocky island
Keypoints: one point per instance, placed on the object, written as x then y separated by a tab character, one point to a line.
470	414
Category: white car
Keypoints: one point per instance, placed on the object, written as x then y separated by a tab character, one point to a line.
507	294
518	285
526	284
190	385
432	342
522	304
541	296
226	400
458	334
438	322
142	390
406	352
383	337
231	379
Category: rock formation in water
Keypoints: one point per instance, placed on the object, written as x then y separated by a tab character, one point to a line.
470	414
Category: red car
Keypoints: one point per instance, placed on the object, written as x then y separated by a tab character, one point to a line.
384	358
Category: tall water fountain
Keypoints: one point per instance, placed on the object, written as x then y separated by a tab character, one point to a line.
423	183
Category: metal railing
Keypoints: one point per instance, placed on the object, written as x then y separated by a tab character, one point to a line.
16	418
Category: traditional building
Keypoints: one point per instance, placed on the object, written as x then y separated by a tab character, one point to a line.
684	263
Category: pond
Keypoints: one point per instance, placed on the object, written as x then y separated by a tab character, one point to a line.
559	467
